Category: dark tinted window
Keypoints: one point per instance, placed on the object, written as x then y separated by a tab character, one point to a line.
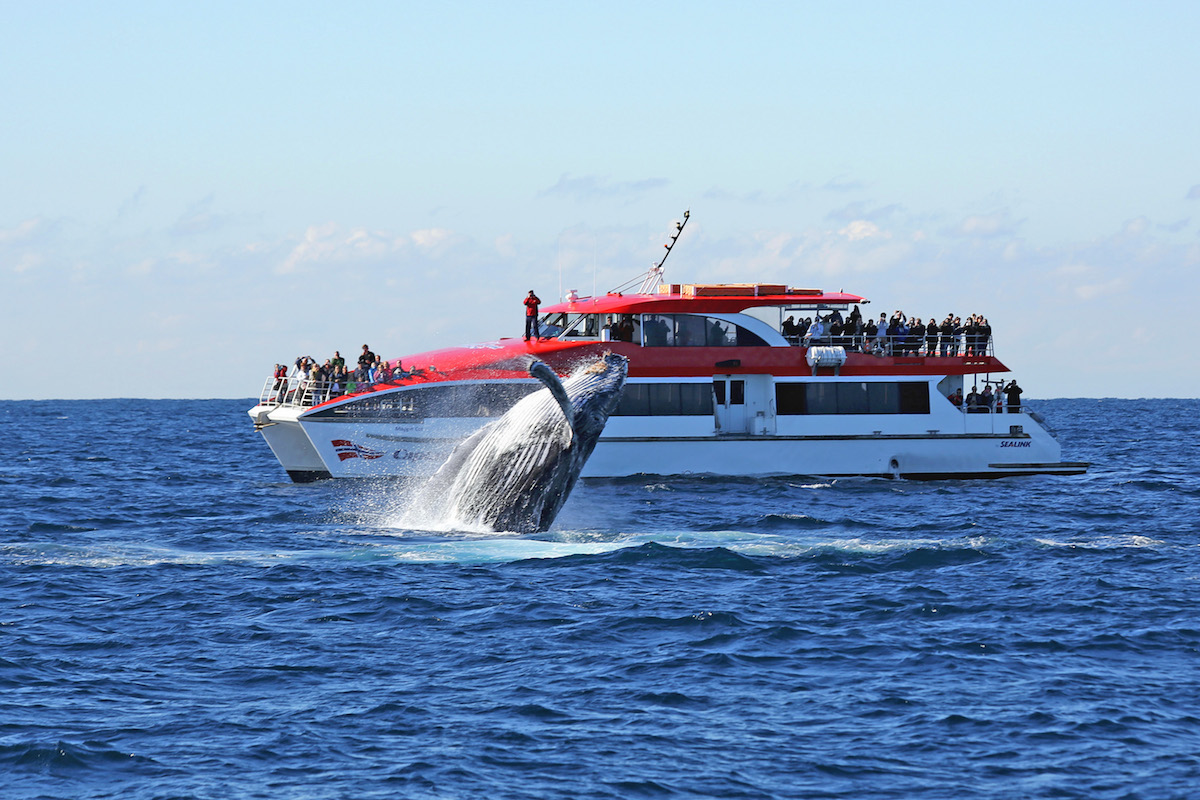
665	400
737	393
908	397
791	398
465	400
690	330
635	401
695	399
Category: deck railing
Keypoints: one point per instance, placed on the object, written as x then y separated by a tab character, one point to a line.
911	345
991	408
292	391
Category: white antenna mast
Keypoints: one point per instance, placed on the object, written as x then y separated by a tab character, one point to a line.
653	275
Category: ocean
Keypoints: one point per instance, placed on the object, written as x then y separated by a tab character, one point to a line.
178	620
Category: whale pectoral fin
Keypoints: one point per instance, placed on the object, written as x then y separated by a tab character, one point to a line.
543	373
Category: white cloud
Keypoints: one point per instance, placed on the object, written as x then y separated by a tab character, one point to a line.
861	229
329	243
591	187
25	232
1094	290
984	226
859	210
431	238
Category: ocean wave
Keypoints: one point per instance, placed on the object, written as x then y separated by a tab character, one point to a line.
67	757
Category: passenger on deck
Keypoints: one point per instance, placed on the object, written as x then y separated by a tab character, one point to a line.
855	321
947	333
895	336
281	372
532	301
971	334
881	336
835	331
367	358
973	400
869	332
337	360
1014	397
985	399
625	328
931	338
302	378
957	398
856	328
789	329
815	333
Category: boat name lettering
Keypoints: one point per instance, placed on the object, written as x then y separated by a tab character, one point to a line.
1025	443
411	455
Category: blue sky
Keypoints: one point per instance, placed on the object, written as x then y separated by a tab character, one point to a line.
191	193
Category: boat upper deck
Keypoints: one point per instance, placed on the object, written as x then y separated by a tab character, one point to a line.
683	331
716	298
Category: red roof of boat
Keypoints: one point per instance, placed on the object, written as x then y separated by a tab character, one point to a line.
716	298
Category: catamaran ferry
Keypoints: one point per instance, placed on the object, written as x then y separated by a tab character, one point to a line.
717	385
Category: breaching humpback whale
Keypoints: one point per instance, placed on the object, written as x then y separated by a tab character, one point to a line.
514	474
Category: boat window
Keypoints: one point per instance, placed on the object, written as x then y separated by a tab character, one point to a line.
689	331
737	393
665	400
635	401
658	331
692	330
695	399
621	328
852	397
664	396
719	333
552	325
584	326
462	400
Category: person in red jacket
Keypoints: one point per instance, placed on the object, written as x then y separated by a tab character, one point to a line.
531	312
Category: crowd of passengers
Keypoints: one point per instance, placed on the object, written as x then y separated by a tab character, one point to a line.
899	335
981	402
333	378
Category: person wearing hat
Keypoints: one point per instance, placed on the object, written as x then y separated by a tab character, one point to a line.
531	311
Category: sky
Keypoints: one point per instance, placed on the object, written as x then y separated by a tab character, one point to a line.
190	193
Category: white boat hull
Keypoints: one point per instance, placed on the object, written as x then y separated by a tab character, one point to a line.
948	444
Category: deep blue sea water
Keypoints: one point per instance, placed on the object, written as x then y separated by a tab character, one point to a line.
177	620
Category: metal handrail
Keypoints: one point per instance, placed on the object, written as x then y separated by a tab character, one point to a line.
885	345
990	408
296	393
